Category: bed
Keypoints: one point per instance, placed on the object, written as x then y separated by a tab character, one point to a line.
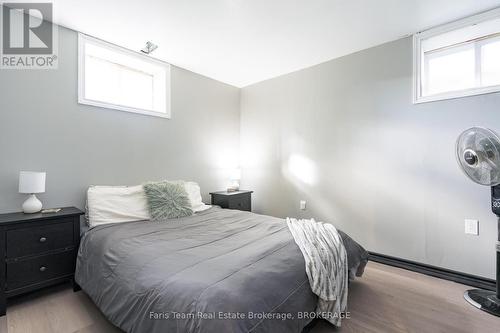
219	270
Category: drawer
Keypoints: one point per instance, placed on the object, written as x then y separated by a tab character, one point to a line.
240	203
39	239
219	201
38	269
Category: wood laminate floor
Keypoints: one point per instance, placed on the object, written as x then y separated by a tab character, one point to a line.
385	299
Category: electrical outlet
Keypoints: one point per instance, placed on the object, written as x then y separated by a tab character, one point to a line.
471	227
302	205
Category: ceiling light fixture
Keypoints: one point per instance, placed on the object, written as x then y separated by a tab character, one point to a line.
150	47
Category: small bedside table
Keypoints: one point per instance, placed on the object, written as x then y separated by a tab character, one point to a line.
37	250
241	200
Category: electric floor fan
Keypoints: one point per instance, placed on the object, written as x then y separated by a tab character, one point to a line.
478	154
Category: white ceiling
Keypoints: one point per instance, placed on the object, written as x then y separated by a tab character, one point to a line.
241	42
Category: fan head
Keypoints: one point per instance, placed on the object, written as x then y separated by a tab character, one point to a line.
478	154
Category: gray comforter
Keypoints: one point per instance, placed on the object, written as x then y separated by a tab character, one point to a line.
217	271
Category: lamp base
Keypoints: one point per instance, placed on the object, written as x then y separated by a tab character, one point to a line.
484	299
234	186
32	205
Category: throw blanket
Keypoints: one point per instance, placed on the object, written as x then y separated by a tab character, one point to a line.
326	265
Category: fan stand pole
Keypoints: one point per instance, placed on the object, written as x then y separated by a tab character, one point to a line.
498	258
488	301
498	264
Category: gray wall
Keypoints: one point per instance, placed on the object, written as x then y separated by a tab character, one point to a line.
43	128
368	160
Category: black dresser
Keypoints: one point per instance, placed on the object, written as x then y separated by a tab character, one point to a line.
241	200
37	250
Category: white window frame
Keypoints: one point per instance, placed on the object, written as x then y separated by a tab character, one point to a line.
82	39
417	59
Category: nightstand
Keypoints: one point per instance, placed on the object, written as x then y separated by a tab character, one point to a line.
37	250
241	200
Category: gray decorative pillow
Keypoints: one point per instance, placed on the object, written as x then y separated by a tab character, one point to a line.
167	200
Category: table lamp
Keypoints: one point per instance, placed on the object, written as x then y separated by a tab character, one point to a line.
30	183
235	176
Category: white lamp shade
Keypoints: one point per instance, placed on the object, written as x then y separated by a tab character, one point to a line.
31	182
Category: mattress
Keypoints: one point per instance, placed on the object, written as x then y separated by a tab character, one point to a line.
219	270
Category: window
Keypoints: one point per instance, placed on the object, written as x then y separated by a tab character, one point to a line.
116	78
458	59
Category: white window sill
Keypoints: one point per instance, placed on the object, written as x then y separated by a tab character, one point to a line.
456	94
123	108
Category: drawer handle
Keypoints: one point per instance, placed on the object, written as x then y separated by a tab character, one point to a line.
43	269
43	239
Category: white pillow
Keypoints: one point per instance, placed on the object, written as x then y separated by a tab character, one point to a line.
193	191
114	204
